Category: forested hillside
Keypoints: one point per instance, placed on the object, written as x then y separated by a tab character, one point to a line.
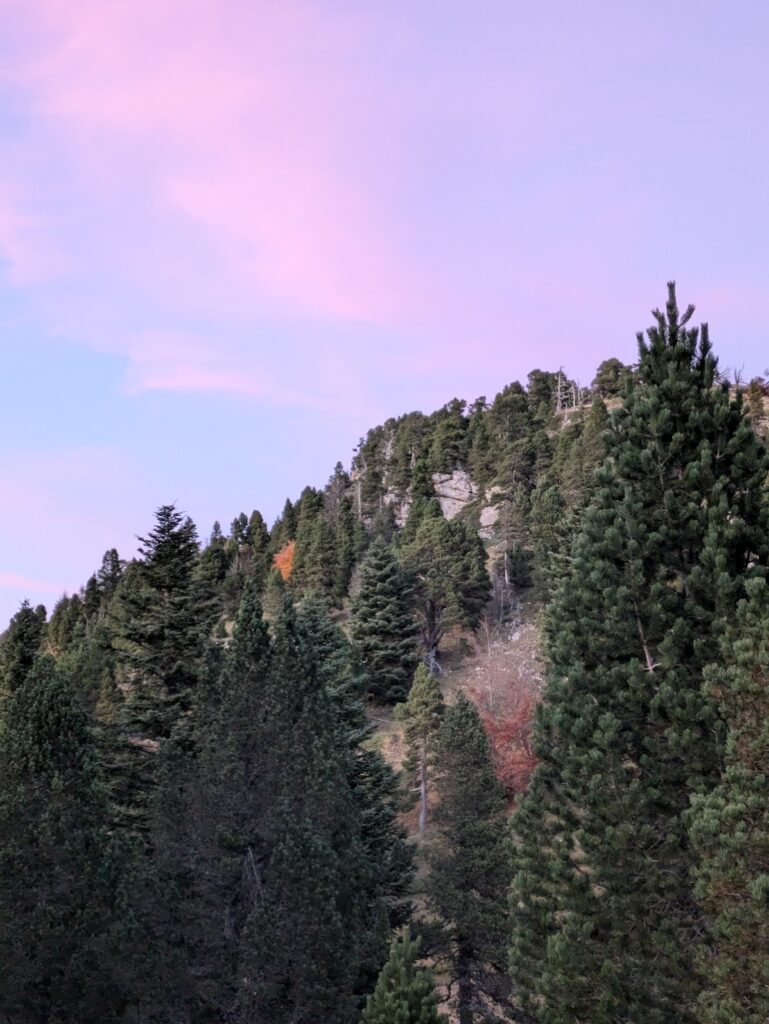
308	773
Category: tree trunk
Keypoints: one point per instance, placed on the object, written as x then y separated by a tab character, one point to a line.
422	789
464	985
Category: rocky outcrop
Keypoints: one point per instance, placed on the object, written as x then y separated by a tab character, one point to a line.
455	491
488	520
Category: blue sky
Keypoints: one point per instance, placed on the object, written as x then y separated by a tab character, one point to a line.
234	236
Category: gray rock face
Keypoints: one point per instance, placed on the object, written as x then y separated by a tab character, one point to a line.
402	506
488	520
455	491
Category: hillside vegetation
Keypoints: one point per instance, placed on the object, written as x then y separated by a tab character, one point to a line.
479	729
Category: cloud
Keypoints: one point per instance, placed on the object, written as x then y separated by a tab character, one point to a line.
238	119
18	582
25	244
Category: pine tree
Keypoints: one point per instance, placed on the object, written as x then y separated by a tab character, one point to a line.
297	965
304	940
315	565
110	573
448	563
259	543
60	867
730	828
423	502
421	715
284	527
350	542
383	628
605	923
161	617
21	645
404	993
469	866
274	594
450	440
387	866
223	812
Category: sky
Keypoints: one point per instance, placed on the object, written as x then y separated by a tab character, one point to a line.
236	234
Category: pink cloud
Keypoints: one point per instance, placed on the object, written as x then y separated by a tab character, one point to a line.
166	361
317	375
25	243
19	582
239	119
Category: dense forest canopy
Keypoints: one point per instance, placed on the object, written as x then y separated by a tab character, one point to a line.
200	822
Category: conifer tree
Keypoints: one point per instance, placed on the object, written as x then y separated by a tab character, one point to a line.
469	865
350	542
221	838
304	938
387	867
259	543
60	868
315	564
162	615
284	527
730	828
110	573
404	993
421	715
21	645
274	594
605	924
450	440
383	628
448	563
423	501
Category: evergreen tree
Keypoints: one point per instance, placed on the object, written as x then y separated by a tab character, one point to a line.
421	715
316	569
21	645
423	501
306	933
605	923
481	458
284	527
383	628
110	573
349	543
448	563
161	614
610	378
404	993
730	828
60	868
222	814
259	543
274	594
469	865
450	440
386	858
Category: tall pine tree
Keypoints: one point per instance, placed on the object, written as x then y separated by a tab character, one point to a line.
60	867
421	716
383	627
730	828
605	920
469	867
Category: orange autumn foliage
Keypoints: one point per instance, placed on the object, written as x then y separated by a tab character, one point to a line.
284	560
510	735
507	703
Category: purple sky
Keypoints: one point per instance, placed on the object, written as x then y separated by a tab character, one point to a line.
236	234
